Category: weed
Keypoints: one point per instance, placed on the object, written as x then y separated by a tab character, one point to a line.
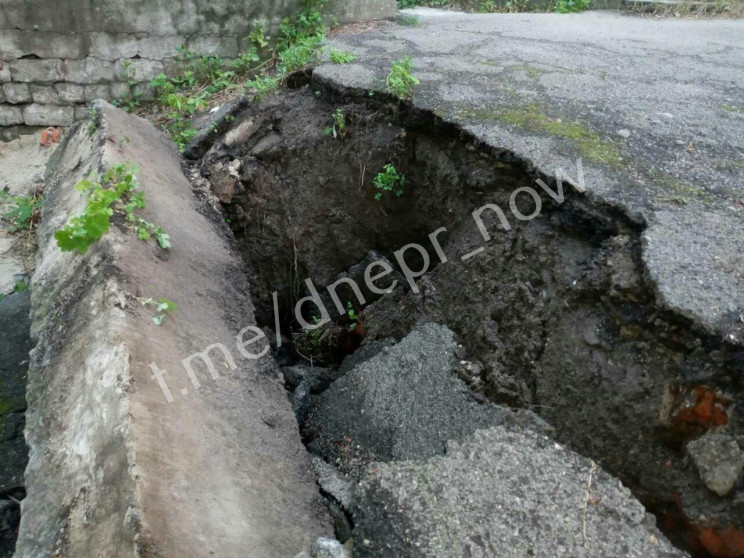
246	61
127	105
297	46
508	6
21	212
571	6
202	67
317	345
403	4
20	286
220	81
400	81
164	86
116	193
127	73
692	8
342	57
299	54
352	315
309	23
263	86
338	129
258	36
389	180
309	342
161	306
92	120
181	103
182	131
513	6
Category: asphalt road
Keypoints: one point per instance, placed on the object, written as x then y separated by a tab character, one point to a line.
653	107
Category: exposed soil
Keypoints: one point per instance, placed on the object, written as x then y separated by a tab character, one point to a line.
556	313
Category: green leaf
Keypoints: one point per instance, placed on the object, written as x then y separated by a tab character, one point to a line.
158	319
165	305
114	193
163	240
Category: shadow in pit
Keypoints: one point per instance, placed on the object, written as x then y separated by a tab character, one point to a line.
15	343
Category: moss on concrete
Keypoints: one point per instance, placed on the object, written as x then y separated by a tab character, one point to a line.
588	143
676	190
534	73
407	20
602	151
730	164
533	120
729	108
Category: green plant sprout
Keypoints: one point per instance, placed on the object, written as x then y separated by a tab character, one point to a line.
116	193
389	180
400	81
92	120
21	212
162	307
338	129
352	315
341	57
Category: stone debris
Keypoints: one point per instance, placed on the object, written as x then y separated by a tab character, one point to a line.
328	548
720	460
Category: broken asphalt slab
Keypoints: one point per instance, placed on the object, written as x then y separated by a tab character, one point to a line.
501	492
652	107
406	402
453	477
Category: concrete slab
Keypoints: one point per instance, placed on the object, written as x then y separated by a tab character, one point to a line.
116	469
652	107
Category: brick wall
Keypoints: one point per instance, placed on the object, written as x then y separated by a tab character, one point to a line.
58	56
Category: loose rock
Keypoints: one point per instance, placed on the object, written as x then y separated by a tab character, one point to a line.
720	460
328	548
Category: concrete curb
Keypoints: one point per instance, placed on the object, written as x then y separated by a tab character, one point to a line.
115	469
